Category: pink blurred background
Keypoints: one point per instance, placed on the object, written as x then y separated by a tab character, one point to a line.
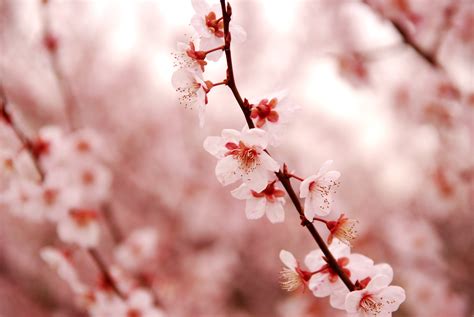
399	129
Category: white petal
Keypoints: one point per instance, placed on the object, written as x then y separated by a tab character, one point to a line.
352	301
320	285
309	211
242	192
288	259
182	78
201	7
338	298
275	212
140	299
237	33
227	170
215	146
199	24
392	297
378	283
325	168
255	137
231	135
304	186
268	162
257	179
210	43
383	269
255	208
314	260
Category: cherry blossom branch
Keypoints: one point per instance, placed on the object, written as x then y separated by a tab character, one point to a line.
50	42
282	176
427	56
96	257
29	146
24	140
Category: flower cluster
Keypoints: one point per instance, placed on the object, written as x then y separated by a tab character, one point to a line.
62	178
352	281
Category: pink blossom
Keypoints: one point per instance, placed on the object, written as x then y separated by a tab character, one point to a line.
272	114
376	299
139	246
80	227
324	281
192	88
292	276
242	156
317	190
270	201
210	27
60	262
21	199
188	57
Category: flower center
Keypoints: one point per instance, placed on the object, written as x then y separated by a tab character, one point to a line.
248	157
188	93
264	111
215	26
134	313
50	196
270	192
369	305
83	217
344	229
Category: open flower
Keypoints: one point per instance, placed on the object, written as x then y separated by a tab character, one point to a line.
210	27
292	276
376	299
242	156
317	191
192	88
187	57
325	280
343	229
81	227
139	246
272	113
270	201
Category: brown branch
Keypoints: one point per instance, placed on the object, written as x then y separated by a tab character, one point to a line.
51	43
282	177
427	56
95	256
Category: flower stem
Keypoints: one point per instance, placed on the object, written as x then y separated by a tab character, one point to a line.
282	177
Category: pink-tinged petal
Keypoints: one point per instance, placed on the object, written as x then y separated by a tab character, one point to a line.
338	298
329	177
210	43
319	204
360	266
378	283
215	146
238	33
288	259
227	170
320	286
231	135
325	167
275	212
304	186
352	301
255	137
309	211
198	22
242	192
255	208
392	297
314	260
140	298
256	180
182	78
383	269
339	249
201	7
268	162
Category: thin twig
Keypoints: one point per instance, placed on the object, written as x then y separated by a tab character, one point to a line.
282	177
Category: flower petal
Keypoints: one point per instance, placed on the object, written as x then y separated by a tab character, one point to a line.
288	259
242	192
392	297
352	301
227	170
255	208
268	162
275	212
